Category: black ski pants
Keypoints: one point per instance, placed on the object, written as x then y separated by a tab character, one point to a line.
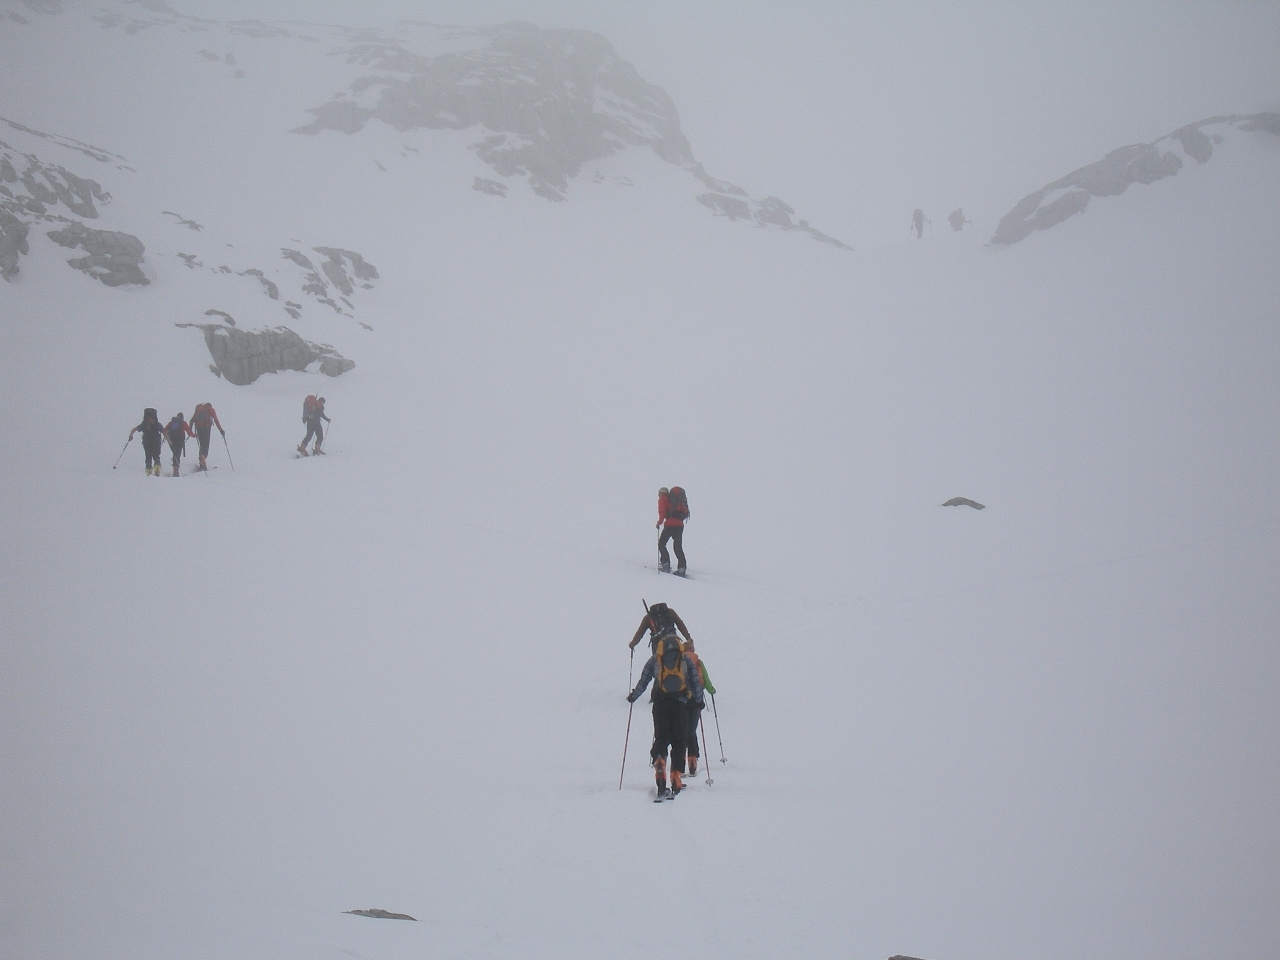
203	433
676	536
151	450
314	429
695	717
670	723
178	450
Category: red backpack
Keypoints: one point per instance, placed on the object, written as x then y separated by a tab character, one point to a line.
677	504
308	407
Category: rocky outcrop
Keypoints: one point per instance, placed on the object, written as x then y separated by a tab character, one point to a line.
13	243
335	268
1112	175
31	192
112	257
964	502
485	185
377	913
243	356
766	212
551	99
547	102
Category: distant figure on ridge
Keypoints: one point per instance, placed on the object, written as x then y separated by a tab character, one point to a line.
958	219
313	415
673	511
152	436
204	419
176	432
918	220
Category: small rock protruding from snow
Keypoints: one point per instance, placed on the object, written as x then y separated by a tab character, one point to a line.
961	502
380	914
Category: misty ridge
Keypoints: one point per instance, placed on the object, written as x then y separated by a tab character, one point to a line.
545	103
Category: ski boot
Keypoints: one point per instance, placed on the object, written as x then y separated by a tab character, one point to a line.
316	451
664	566
677	782
680	571
302	450
693	766
203	465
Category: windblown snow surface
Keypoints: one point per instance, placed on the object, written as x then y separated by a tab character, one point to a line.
235	706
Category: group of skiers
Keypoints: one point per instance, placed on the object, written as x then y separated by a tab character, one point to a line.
680	684
200	428
956	218
176	432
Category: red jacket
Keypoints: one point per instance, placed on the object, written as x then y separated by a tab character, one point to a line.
664	506
203	415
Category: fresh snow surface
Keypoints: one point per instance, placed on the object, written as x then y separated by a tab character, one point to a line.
234	706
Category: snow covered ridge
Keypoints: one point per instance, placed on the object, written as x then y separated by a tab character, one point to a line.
546	101
549	101
1112	175
32	190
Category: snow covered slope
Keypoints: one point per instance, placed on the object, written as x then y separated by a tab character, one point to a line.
235	706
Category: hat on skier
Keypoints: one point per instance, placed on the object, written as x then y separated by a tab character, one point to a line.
662	491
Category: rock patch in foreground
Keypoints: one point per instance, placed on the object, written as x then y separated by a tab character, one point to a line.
379	914
963	502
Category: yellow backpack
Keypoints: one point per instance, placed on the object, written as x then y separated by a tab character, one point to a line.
668	660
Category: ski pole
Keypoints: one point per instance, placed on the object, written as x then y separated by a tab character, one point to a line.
122	450
715	714
631	668
224	443
624	744
703	727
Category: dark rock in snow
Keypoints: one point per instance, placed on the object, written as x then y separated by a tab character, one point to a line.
13	243
547	100
242	356
485	185
964	502
113	257
1112	175
379	914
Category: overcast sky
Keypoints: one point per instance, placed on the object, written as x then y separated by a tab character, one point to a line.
855	113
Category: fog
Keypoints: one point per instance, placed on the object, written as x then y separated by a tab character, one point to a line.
865	111
236	704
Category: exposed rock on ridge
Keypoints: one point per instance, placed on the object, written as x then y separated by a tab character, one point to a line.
113	257
242	356
1113	174
549	102
32	189
551	99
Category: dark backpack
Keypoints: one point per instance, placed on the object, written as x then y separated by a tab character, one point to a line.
661	622
669	673
677	504
175	432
